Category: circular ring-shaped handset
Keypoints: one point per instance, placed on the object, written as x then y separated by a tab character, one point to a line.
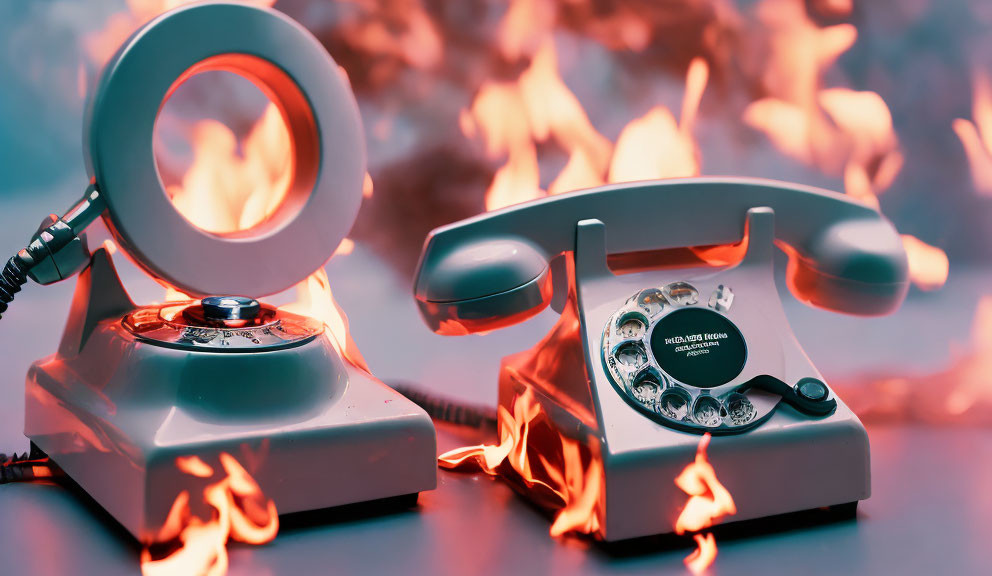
328	151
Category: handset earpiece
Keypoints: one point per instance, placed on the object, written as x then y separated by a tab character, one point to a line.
483	285
856	266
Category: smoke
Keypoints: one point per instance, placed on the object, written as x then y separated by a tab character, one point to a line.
415	65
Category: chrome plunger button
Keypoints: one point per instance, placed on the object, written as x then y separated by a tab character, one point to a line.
223	308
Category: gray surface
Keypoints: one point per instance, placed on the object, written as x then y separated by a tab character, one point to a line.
931	511
930	514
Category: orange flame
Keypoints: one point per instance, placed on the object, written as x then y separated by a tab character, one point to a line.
525	26
513	118
400	30
973	377
834	8
708	502
655	146
314	299
223	192
241	512
838	130
960	395
928	266
101	45
555	469
976	135
194	466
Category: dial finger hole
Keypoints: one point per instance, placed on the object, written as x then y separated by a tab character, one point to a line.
681	293
707	411
740	409
651	300
647	388
632	325
631	355
674	403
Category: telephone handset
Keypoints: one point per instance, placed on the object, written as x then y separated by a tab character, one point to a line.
493	270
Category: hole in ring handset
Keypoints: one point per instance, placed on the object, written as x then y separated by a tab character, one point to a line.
239	177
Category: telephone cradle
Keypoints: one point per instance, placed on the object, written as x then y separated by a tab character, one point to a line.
641	363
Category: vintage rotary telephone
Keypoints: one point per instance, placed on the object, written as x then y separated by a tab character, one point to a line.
133	389
689	337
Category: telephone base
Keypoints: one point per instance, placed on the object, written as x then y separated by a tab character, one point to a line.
119	438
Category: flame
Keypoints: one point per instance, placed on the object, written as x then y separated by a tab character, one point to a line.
367	186
976	136
241	512
655	146
525	27
708	502
837	130
400	30
101	45
314	299
194	466
41	471
512	118
499	114
973	383
834	8
928	266
961	394
969	379
556	470
346	247
555	113
223	192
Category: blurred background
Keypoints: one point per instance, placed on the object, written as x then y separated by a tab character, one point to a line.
472	105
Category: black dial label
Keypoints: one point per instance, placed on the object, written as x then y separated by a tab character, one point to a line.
699	347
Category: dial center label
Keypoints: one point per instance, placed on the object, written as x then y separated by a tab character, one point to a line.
699	347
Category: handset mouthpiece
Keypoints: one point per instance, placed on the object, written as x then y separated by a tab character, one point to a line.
56	251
